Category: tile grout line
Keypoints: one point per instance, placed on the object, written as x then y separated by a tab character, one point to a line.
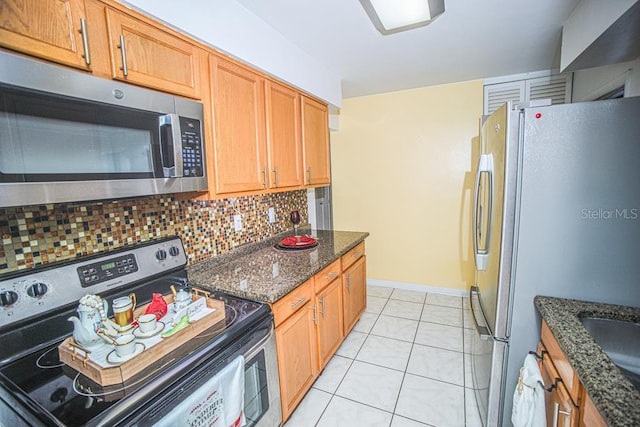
405	371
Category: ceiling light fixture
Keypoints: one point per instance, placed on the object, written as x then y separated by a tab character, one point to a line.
393	16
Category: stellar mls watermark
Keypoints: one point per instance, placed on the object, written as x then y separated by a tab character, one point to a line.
610	214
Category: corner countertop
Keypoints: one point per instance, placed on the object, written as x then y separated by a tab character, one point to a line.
260	272
613	394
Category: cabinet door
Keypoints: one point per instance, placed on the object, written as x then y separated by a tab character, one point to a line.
354	293
329	322
315	140
296	347
239	130
561	411
145	55
48	29
283	136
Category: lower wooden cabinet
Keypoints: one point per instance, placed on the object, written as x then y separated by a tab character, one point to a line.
561	411
311	323
354	292
567	403
589	415
329	328
297	357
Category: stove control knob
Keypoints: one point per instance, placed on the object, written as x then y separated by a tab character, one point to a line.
37	290
174	251
8	298
161	255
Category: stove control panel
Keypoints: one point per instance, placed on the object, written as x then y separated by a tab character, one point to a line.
38	290
98	272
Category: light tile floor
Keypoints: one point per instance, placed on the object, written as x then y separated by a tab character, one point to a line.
403	365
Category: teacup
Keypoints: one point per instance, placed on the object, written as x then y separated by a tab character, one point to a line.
125	345
123	309
147	323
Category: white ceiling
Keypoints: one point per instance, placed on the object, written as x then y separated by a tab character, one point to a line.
473	39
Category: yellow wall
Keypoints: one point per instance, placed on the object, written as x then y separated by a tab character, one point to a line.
402	170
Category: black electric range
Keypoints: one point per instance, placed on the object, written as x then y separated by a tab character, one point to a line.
36	388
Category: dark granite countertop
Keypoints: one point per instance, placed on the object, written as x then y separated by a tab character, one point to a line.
613	394
259	272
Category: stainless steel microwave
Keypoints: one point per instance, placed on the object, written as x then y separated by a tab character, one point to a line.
67	136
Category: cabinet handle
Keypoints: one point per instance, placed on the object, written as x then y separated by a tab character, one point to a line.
331	275
85	41
123	52
264	177
275	175
357	255
348	284
296	304
315	313
557	412
309	175
322	311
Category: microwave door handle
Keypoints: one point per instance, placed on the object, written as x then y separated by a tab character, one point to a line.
171	146
481	256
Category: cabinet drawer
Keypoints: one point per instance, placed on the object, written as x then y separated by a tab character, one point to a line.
352	256
566	372
292	302
327	275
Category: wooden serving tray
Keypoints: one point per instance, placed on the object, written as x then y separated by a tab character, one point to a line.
75	356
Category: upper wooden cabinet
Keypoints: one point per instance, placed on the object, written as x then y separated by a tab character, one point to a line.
283	136
315	140
51	29
239	146
148	56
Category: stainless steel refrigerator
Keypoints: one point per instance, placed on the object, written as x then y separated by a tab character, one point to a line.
557	213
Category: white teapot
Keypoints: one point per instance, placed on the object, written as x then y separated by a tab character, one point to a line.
92	311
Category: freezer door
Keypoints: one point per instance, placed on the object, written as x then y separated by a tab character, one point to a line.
487	356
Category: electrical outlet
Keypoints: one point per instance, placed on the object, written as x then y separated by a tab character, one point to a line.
237	222
272	215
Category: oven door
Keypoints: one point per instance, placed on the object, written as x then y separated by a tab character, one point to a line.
261	386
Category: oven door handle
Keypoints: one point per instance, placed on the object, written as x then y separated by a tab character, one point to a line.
171	146
256	348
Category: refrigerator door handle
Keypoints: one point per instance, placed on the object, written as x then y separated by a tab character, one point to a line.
483	331
481	256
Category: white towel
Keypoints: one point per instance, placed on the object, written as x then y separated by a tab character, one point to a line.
217	403
528	398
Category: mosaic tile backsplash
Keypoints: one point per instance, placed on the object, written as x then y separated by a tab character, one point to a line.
34	235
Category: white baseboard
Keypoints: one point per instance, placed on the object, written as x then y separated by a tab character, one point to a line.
417	287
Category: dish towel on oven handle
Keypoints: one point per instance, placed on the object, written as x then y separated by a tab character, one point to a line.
528	398
219	402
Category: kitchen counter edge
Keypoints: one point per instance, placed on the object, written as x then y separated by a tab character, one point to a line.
216	274
612	393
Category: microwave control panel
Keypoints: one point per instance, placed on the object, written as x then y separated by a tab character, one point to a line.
192	153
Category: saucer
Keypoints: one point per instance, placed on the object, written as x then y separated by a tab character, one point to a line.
113	357
125	328
139	334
